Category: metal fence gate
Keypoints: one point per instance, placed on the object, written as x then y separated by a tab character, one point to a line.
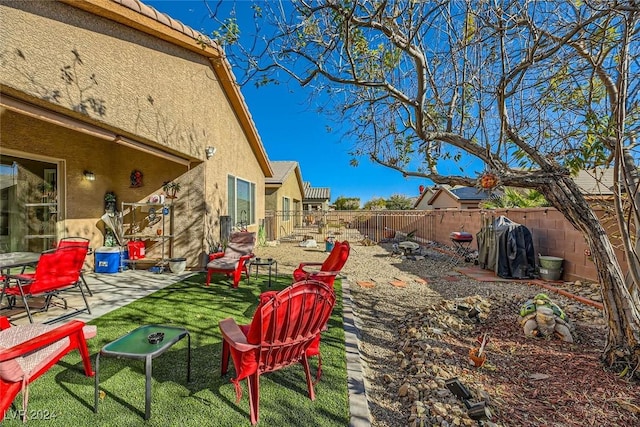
353	226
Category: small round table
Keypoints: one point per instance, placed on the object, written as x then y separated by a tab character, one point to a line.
268	262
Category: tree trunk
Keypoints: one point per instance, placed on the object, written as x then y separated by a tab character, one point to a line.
621	309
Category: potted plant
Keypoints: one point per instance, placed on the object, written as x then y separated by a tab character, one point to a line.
171	188
47	191
110	202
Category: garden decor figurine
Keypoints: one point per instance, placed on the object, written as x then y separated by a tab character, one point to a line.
541	317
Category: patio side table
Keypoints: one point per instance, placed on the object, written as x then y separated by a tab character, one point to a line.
269	262
136	345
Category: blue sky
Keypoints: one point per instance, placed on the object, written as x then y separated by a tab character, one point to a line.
291	130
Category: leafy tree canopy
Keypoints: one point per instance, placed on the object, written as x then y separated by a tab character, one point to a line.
376	204
399	202
534	91
516	198
347	203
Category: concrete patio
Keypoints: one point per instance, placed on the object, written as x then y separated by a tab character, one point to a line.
110	291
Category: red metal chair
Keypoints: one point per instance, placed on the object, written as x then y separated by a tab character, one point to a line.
77	241
328	270
233	261
28	351
57	270
283	327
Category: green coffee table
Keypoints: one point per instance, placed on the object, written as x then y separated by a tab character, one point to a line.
135	345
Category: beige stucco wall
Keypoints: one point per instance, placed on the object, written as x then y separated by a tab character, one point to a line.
290	188
271	199
424	202
444	201
147	89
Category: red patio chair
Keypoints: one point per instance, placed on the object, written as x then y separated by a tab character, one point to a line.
77	241
233	261
328	270
28	351
57	270
283	327
325	271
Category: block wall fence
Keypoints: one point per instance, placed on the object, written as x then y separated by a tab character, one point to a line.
552	235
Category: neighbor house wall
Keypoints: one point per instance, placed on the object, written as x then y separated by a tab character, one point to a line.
444	201
274	202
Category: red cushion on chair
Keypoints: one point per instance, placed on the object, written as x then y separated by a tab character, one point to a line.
314	348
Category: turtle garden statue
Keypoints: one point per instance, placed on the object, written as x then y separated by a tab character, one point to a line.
541	317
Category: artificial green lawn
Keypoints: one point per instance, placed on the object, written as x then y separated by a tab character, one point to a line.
209	399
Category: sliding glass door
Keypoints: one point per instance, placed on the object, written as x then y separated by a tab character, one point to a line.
28	204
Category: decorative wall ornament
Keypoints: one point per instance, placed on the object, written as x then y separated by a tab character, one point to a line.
136	178
171	188
488	181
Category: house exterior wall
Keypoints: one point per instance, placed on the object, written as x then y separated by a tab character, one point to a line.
423	204
271	199
444	201
134	85
469	204
290	188
315	205
274	202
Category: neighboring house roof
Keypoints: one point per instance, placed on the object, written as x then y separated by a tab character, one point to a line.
318	193
427	193
595	182
282	170
135	14
461	194
470	193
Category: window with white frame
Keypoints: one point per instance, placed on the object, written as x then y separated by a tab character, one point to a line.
242	201
286	208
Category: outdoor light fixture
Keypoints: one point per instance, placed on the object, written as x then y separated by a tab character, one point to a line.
210	151
89	176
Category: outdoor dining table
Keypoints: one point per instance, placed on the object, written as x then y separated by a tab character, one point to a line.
11	260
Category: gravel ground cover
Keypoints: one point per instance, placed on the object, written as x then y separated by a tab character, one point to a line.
414	336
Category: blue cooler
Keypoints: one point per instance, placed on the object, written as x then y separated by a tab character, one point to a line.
108	259
329	244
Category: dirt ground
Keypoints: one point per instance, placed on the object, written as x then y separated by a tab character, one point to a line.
414	338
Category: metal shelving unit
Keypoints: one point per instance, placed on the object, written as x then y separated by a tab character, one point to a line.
152	224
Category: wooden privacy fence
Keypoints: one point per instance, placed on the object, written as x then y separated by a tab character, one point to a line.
552	234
